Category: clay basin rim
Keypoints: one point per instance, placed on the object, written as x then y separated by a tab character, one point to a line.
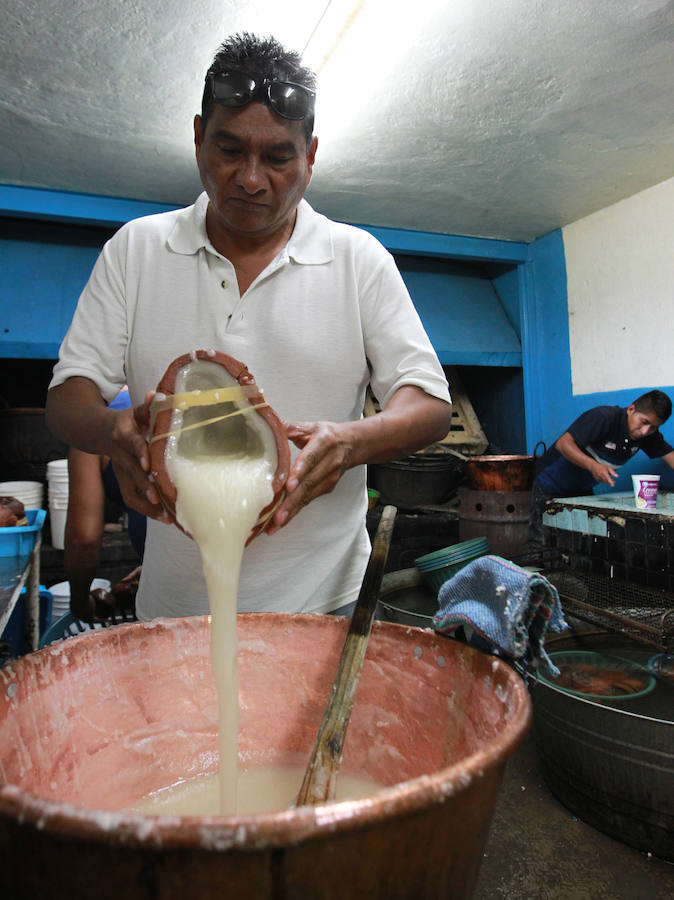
483	679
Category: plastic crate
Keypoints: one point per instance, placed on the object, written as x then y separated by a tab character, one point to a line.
19	540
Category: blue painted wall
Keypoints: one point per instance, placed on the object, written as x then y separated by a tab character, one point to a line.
552	407
44	267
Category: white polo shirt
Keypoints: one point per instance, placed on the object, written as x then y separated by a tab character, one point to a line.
328	315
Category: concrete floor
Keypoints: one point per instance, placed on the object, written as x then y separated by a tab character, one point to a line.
538	850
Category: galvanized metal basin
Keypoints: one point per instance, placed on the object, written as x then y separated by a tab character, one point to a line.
611	762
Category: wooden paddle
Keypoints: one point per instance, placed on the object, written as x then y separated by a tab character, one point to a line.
320	778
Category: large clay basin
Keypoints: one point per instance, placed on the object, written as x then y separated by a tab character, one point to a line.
93	722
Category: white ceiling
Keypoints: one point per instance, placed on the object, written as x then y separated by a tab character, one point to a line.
499	118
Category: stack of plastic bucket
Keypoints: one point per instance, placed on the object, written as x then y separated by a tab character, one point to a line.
57	481
438	567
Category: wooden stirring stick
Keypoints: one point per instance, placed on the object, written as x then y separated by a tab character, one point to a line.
320	778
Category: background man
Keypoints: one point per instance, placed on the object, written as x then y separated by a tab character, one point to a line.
92	481
593	448
314	308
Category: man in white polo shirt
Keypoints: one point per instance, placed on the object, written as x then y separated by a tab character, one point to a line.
315	309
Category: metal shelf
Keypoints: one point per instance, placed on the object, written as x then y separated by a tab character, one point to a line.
15	574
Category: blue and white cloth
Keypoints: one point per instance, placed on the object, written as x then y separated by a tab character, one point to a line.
504	610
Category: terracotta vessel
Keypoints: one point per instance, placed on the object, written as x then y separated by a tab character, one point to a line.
500	473
91	723
210	369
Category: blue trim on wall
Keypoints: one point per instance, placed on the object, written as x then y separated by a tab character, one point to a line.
452	246
81	209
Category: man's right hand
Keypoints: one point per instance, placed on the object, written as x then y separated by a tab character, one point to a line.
131	460
603	473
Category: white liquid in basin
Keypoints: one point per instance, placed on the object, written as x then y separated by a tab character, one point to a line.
263	789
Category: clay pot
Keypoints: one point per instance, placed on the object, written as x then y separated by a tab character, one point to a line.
500	473
89	725
230	372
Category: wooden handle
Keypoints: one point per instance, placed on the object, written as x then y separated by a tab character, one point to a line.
320	777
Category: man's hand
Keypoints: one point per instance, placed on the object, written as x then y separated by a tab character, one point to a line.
603	473
326	453
410	420
127	439
77	413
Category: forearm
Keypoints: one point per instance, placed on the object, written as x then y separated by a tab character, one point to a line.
81	560
571	451
410	421
601	472
77	413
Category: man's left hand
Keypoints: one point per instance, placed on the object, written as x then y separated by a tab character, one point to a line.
326	453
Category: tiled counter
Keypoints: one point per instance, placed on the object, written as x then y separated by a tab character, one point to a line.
607	534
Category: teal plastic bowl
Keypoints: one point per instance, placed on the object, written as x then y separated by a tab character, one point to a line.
436	577
454	553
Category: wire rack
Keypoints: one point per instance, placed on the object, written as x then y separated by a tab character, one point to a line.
642	613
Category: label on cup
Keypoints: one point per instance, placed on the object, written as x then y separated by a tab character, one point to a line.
646	491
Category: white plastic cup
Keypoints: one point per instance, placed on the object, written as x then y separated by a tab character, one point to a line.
57	518
57	466
646	490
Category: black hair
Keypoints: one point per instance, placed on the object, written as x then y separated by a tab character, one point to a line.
260	58
656	402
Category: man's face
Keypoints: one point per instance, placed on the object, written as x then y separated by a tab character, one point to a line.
255	168
641	424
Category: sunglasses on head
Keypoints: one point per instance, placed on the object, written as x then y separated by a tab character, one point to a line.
236	89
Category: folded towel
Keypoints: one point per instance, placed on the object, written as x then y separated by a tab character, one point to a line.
504	610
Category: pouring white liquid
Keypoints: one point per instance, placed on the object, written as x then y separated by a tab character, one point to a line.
223	478
218	503
221	456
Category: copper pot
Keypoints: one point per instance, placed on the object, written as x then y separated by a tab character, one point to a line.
500	473
89	725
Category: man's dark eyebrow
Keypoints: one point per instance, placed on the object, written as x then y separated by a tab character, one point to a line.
283	146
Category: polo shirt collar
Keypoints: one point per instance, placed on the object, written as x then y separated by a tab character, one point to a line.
311	240
189	233
309	244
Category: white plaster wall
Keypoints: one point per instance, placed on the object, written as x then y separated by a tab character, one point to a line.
620	282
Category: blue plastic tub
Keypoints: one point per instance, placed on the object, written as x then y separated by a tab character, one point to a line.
15	629
19	540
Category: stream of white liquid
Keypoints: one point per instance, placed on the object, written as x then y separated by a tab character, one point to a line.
219	501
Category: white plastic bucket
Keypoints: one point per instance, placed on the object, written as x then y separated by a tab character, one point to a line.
30	493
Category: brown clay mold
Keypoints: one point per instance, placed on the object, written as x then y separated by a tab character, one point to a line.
211	373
